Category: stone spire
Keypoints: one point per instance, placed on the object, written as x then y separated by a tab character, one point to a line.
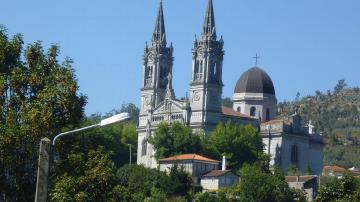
209	30
159	36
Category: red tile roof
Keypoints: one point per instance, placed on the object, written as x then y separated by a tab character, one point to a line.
230	112
182	157
216	173
302	178
334	168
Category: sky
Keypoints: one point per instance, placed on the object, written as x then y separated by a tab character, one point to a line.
304	46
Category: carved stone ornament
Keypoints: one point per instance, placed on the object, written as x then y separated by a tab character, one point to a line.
196	96
147	100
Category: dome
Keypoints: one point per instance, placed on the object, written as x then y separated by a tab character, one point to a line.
255	80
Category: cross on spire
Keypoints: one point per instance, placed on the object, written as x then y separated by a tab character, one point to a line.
257	57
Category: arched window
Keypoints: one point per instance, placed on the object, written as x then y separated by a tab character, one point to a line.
267	114
238	109
252	111
294	154
144	147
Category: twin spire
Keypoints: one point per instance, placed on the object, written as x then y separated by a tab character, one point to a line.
159	36
209	30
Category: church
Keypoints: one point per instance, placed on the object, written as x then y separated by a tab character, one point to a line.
254	100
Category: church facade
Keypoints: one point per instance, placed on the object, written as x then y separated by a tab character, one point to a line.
254	95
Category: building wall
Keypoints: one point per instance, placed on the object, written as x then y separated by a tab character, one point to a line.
258	100
308	190
227	180
281	143
275	149
194	168
147	160
209	183
302	143
215	183
316	157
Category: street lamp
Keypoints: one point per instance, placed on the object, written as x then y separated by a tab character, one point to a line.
104	122
44	157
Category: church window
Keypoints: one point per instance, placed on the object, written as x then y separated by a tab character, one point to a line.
294	154
238	109
198	70
148	75
252	111
267	114
144	148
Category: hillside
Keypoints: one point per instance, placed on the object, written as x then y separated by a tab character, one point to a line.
335	114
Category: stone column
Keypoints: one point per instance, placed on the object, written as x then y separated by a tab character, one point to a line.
43	171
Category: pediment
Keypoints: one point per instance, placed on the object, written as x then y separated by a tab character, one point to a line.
169	105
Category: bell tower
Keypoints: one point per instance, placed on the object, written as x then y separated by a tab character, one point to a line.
157	66
206	82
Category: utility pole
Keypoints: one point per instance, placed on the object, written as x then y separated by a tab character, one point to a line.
43	171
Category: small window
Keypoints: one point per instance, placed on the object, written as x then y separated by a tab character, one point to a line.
252	111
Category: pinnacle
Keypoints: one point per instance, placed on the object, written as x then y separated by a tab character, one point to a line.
159	36
209	30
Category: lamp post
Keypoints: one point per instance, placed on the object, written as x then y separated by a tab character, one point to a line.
43	165
130	154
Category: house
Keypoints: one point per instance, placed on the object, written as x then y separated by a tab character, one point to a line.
334	171
194	164
216	179
338	172
308	183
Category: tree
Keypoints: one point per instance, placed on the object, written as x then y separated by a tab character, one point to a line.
293	170
174	139
340	85
259	185
146	183
38	97
344	189
91	180
240	144
182	183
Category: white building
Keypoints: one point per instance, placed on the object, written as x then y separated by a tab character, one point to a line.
217	179
308	183
254	100
193	164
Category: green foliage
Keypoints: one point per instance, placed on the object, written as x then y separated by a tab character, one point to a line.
174	139
38	97
205	197
259	185
153	185
89	182
336	114
293	170
181	181
241	144
345	189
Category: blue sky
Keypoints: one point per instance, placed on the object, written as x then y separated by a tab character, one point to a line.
304	45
